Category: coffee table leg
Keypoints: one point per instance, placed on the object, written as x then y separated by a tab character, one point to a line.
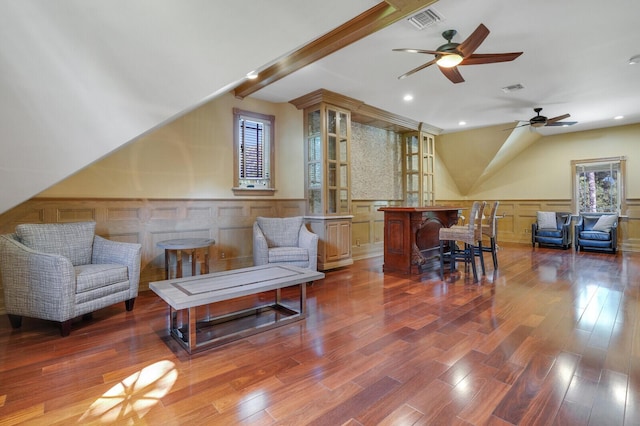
303	299
192	329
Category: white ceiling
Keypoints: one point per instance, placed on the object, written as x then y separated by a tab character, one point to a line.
80	78
575	61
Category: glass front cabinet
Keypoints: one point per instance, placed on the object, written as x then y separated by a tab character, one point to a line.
327	182
419	165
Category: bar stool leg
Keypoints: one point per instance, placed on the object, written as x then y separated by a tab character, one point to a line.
493	253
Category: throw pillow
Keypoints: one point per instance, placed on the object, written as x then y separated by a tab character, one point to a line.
605	222
547	220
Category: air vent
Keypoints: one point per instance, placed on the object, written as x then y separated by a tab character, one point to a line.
513	88
425	19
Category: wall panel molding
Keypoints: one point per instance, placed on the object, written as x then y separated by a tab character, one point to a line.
148	221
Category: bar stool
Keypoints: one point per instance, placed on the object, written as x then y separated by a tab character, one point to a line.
469	235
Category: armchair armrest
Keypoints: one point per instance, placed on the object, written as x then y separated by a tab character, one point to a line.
309	240
260	246
566	231
128	254
36	282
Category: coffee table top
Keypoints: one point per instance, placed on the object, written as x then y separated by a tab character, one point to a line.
188	292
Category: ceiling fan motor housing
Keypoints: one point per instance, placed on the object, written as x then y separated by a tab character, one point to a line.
538	121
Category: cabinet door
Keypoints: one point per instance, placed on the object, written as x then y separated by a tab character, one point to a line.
338	241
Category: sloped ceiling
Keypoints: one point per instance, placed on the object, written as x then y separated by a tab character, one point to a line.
472	156
80	78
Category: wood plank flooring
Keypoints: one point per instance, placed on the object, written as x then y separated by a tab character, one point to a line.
551	338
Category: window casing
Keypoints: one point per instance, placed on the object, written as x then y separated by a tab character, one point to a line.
598	185
254	149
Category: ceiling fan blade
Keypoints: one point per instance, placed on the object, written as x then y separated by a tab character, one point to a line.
516	127
452	74
416	69
408	50
472	42
550	121
489	58
562	123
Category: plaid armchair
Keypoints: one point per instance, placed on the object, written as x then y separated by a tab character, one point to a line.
58	272
284	240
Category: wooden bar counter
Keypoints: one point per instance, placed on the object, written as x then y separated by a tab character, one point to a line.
411	240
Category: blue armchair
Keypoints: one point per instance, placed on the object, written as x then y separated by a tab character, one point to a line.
552	229
597	231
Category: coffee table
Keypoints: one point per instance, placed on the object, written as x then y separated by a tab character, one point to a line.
197	331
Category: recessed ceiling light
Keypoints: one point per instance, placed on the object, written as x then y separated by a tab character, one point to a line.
462	123
408	98
252	75
618	117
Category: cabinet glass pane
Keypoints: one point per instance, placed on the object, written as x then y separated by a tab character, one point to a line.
315	175
343	176
344	201
343	125
427	165
332	171
331	121
412	182
412	163
313	121
315	201
412	145
412	200
343	150
331	207
315	149
331	148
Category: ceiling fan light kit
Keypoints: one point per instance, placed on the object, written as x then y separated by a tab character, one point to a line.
449	61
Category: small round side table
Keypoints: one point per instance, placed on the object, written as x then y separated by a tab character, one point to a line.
186	246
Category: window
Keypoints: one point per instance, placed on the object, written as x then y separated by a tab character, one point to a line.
254	152
599	185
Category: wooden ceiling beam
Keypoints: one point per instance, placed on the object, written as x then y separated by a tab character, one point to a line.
367	23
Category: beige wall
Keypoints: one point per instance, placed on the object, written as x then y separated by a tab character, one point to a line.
543	170
191	157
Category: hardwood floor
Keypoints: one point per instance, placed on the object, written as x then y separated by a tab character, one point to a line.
552	338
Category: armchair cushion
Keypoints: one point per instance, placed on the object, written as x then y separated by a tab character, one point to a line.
288	255
71	240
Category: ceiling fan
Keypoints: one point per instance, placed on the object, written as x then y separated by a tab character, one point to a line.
450	55
541	120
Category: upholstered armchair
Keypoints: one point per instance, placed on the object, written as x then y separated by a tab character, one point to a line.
284	240
552	229
60	271
597	231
